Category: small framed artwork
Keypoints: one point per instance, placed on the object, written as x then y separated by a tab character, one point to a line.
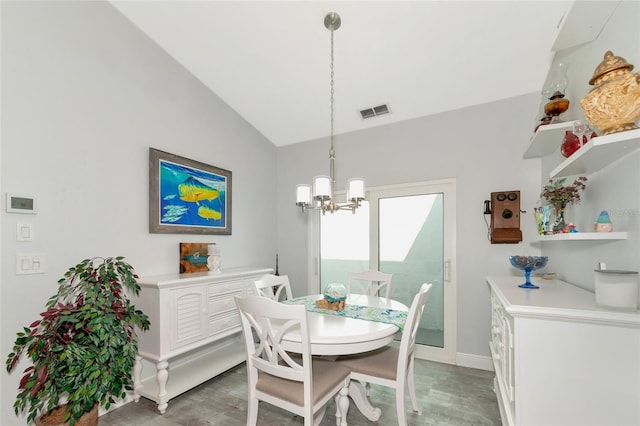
193	257
187	196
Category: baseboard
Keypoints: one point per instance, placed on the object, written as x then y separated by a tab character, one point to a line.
119	403
474	361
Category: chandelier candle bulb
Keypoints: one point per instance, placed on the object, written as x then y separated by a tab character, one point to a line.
322	187
303	195
356	190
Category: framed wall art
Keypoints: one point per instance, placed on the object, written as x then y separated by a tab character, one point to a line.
187	196
193	257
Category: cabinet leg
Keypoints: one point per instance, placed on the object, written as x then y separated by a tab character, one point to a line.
161	376
137	372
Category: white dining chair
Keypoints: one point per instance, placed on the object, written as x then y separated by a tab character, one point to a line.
275	287
391	366
370	283
300	383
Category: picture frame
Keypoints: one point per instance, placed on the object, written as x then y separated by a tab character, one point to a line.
188	196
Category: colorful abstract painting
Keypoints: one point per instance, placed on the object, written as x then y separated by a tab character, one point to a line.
187	196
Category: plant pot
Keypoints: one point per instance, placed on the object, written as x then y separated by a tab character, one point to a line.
55	416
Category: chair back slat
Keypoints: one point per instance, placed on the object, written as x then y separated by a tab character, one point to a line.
410	332
371	283
274	287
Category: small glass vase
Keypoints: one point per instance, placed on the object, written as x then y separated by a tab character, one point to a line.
559	224
544	219
570	144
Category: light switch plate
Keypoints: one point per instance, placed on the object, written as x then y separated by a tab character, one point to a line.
29	263
24	232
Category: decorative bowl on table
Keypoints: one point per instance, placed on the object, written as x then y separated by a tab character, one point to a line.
334	297
335	293
528	264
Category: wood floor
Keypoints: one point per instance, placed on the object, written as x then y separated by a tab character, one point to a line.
447	395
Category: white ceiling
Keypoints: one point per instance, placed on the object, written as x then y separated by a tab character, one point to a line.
269	61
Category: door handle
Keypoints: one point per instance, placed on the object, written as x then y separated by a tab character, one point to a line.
447	270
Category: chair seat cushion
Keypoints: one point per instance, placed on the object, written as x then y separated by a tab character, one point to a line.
381	363
326	376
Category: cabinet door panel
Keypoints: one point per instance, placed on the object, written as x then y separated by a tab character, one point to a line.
189	313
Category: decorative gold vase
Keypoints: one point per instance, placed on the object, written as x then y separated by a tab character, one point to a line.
613	105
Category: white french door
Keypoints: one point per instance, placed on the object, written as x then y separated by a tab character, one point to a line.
408	231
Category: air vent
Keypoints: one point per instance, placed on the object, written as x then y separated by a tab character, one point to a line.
373	111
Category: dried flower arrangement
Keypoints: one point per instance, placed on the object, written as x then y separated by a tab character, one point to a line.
559	195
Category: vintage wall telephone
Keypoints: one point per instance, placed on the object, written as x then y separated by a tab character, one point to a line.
504	208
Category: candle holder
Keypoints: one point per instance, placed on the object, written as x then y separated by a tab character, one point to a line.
214	260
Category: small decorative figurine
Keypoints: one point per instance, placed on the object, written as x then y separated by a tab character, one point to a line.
603	223
613	105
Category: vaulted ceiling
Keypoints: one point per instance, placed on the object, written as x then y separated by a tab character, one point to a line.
269	61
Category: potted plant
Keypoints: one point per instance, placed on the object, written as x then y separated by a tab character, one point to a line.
82	349
561	196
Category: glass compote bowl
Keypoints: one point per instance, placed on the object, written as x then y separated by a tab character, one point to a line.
528	264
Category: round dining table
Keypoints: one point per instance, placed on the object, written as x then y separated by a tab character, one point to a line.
338	335
333	335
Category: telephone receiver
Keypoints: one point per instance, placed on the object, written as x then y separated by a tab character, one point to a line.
487	207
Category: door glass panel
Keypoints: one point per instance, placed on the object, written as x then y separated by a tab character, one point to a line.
344	245
410	246
401	230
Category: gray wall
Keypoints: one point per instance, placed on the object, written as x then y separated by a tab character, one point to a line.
84	96
481	147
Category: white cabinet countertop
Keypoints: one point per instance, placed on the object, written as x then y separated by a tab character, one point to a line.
557	299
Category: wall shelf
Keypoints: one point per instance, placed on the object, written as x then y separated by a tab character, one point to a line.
582	23
547	139
598	153
584	236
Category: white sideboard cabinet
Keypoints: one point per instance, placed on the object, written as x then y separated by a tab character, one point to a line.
561	360
195	330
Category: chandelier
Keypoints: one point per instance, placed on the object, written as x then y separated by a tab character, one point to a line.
323	185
